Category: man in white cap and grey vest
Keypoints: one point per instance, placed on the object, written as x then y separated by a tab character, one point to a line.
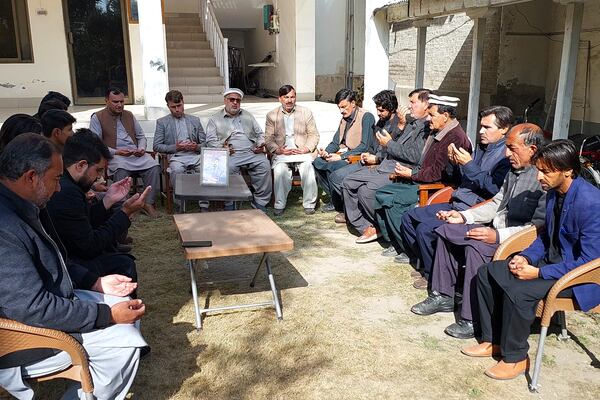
237	129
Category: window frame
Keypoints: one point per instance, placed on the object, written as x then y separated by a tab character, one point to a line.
137	21
20	34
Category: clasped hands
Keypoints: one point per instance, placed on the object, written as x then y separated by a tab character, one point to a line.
283	150
521	269
130	152
187	145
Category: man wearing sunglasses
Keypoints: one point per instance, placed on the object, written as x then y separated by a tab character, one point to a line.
238	130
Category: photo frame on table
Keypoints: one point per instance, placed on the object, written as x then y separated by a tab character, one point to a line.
214	170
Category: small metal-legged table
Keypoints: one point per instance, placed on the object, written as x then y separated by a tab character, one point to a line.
188	187
232	233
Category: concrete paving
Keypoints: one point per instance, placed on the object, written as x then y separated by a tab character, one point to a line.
326	115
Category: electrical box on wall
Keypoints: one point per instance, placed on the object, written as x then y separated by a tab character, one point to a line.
267	12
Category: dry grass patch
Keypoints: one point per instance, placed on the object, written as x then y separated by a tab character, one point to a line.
347	332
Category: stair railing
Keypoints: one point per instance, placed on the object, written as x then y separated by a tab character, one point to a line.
215	38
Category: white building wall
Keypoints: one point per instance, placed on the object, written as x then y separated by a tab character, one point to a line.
24	84
330	46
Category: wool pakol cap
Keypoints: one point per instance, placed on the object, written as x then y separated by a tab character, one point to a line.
444	100
233	90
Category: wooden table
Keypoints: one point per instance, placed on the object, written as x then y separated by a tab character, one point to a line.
232	233
188	187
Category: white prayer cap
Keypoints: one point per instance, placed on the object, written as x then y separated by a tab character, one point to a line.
233	90
444	100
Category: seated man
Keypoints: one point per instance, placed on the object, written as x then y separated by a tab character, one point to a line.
90	233
36	290
399	141
181	137
52	101
291	135
17	124
123	135
57	126
392	201
237	129
353	137
468	240
481	176
508	291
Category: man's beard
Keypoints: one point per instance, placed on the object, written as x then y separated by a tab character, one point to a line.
85	184
41	195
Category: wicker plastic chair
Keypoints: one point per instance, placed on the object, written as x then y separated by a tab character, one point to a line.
15	336
552	304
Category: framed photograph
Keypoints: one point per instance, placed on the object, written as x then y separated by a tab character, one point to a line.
214	166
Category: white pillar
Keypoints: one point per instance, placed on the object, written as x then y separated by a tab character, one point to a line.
475	80
154	57
377	64
421	26
305	49
568	66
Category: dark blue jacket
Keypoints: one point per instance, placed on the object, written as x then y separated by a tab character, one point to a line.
579	238
482	177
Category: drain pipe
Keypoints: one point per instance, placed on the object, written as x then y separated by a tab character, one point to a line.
349	56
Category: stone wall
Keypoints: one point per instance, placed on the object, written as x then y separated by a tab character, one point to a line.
447	57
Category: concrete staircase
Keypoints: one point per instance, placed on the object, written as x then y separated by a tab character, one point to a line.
192	66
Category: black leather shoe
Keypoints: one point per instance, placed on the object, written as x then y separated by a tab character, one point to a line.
402	258
462	329
434	303
389	252
329	207
123	248
144	352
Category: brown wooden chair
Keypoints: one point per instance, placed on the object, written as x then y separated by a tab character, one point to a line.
15	336
166	190
552	304
440	196
424	189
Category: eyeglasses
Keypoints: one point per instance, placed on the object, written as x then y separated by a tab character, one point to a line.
233	100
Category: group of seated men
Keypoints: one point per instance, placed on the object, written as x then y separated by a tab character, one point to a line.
513	179
63	268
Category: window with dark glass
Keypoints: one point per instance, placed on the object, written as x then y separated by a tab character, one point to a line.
15	40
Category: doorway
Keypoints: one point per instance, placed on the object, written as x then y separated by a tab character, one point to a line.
97	40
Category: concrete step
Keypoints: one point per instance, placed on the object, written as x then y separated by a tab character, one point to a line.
174	15
204	81
184	29
176	36
187	44
204	98
193	72
191	62
183	81
194	90
192	19
189	53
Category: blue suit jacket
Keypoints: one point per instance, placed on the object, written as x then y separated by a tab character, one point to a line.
579	238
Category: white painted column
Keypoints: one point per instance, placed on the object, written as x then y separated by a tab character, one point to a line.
568	66
305	49
154	57
377	64
475	80
421	26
